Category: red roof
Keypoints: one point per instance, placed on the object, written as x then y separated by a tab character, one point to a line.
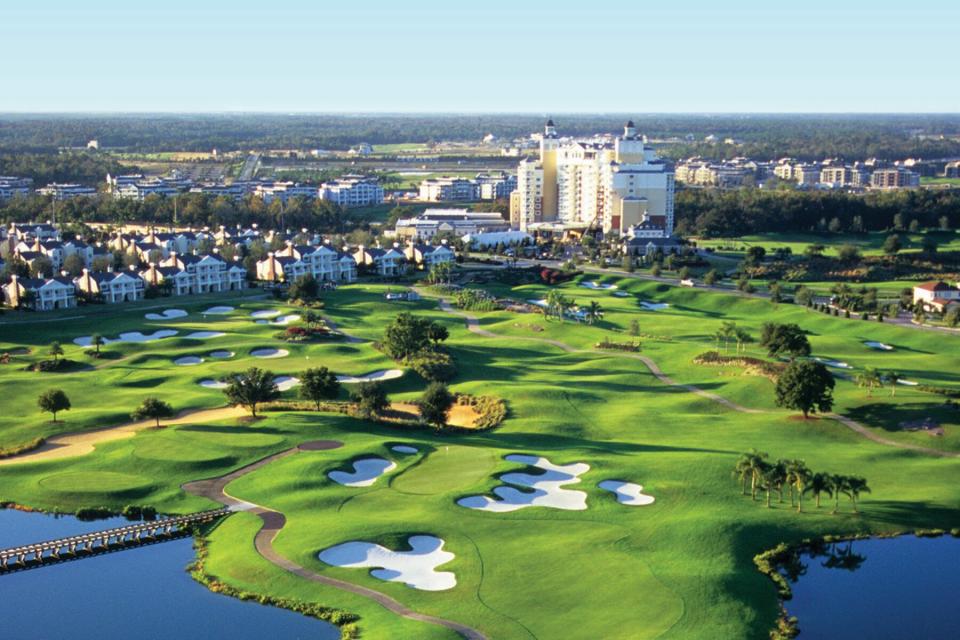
934	286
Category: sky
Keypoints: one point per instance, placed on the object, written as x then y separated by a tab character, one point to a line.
607	56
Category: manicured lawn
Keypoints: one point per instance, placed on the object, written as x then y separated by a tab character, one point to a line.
868	243
679	568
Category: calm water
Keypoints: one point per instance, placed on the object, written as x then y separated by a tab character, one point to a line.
142	593
881	589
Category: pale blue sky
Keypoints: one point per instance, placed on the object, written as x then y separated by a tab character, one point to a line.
489	55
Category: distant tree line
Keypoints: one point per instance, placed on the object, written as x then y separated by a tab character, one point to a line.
81	167
715	213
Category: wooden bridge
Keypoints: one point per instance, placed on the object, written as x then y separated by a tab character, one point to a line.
85	545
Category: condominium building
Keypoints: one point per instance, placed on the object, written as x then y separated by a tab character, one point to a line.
66	191
495	186
352	191
598	183
11	187
457	222
897	178
448	189
284	191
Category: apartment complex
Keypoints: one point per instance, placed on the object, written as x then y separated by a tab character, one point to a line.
457	222
482	187
895	178
610	184
66	191
11	187
352	191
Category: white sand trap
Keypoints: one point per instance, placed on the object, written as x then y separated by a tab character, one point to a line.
415	568
204	335
538	303
879	346
269	353
593	285
836	364
219	311
285	383
621	294
653	306
627	493
547	488
167	314
908	383
365	472
132	336
376	376
282	320
214	384
265	313
188	361
402	448
221	355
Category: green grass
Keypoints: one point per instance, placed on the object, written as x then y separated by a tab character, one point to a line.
870	244
680	568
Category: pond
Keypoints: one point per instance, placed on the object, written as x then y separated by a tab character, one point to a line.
143	592
881	589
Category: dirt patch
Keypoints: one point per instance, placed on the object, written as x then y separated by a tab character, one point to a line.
460	415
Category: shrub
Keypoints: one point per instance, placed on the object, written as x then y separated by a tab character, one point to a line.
435	366
490	411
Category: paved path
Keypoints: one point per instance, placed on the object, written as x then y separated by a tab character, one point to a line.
473	325
274	521
79	443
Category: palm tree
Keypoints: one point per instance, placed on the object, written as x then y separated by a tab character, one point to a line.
801	480
855	485
97	341
728	330
839	487
743	337
757	463
821	483
868	380
792	467
594	311
56	350
744	470
772	478
893	378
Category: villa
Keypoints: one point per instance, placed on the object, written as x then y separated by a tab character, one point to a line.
40	294
386	262
427	255
936	296
112	288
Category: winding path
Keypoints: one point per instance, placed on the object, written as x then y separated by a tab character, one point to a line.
79	443
274	521
473	325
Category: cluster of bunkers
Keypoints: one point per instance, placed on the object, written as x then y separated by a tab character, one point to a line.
182	263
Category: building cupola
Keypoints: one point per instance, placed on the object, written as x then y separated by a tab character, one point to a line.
550	130
629	130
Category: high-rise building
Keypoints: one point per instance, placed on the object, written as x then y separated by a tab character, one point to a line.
602	183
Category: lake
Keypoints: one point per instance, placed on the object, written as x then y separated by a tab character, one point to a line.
880	589
143	592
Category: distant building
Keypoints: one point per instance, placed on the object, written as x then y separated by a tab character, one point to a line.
952	170
457	222
897	178
11	187
66	191
352	191
447	189
284	191
495	186
40	294
123	286
936	296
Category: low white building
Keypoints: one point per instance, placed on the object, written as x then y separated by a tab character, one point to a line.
936	296
122	286
457	222
40	294
352	191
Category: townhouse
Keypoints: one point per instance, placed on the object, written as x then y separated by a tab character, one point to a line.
111	287
40	294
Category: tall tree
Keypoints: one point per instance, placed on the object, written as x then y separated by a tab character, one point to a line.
805	385
317	385
53	401
435	403
784	340
371	399
853	487
56	351
152	408
251	388
820	483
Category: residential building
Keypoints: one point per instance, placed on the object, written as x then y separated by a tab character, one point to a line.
495	186
11	187
122	286
66	191
600	183
40	294
425	256
269	191
447	189
386	262
352	191
896	178
952	170
210	272
936	296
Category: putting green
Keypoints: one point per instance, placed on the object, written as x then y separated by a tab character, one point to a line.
97	482
239	438
172	449
448	468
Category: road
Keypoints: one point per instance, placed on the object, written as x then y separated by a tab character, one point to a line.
250	167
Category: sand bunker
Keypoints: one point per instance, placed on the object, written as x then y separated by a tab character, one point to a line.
836	364
402	448
168	314
188	361
879	346
221	355
219	311
132	336
204	335
908	383
282	320
653	306
265	313
376	376
365	472
627	493
214	384
538	303
547	488
593	285
621	294
285	383
269	353
415	568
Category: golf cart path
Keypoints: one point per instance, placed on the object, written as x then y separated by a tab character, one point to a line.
274	521
473	325
79	443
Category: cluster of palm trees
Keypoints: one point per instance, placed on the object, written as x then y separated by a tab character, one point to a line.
730	331
757	473
871	379
559	306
